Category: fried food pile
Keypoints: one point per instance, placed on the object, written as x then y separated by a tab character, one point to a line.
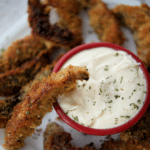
28	114
28	85
7	105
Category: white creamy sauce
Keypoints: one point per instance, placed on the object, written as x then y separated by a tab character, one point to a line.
114	93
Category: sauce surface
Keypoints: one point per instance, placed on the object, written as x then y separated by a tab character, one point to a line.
114	93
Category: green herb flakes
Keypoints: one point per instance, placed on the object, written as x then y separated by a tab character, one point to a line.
27	112
114	81
110	101
117	54
127	117
121	79
75	118
67	112
134	106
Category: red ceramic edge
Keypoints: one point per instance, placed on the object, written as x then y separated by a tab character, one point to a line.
113	130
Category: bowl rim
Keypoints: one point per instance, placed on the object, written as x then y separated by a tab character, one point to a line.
106	131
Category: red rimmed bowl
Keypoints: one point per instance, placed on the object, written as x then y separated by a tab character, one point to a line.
107	131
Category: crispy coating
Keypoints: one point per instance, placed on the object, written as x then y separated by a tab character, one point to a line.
140	131
105	24
6	108
28	114
74	23
143	43
132	17
122	145
45	72
12	81
72	5
7	105
56	138
84	3
137	19
39	22
23	50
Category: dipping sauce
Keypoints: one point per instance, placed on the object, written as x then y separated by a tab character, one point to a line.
114	93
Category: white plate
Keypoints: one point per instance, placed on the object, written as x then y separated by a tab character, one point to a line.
19	30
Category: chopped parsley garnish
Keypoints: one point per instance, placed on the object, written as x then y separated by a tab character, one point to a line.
116	120
100	90
134	106
89	87
27	112
110	101
67	112
121	79
83	84
116	96
117	54
86	68
75	118
94	103
127	117
73	109
114	81
139	101
106	69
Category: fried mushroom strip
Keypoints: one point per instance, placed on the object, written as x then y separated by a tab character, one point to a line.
39	22
45	72
137	19
56	138
105	24
28	114
7	105
132	17
12	81
21	51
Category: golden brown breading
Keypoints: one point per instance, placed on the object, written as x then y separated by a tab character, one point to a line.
140	131
70	6
56	138
137	19
12	81
20	51
74	23
6	108
132	17
28	114
7	105
121	145
39	22
143	43
105	24
45	72
84	3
